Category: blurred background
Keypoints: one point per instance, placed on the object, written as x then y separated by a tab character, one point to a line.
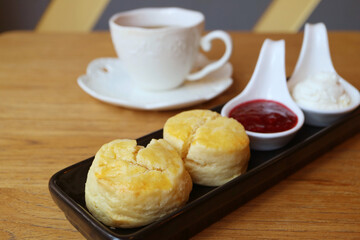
247	15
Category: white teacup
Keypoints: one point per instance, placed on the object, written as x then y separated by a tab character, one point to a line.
158	46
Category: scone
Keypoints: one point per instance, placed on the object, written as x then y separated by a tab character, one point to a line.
215	149
130	186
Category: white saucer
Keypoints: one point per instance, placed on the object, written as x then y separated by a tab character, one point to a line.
107	81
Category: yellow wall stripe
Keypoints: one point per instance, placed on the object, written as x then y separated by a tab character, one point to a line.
285	15
71	15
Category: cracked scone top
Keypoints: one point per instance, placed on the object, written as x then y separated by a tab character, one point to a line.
215	149
130	186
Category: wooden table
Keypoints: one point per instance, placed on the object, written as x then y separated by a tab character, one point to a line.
48	123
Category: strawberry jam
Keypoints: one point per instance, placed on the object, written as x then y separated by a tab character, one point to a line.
264	116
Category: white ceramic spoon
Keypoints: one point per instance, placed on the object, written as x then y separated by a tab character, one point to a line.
315	58
268	82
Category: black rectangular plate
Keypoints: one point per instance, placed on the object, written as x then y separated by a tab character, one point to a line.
206	204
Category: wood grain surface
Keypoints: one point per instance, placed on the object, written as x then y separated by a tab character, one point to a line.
48	123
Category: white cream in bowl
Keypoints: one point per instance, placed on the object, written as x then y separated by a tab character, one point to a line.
322	91
323	95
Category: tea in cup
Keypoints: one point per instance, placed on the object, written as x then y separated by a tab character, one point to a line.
158	46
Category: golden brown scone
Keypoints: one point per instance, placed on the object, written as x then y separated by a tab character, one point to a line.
130	186
215	149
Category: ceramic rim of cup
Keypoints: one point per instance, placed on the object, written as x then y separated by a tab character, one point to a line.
157	19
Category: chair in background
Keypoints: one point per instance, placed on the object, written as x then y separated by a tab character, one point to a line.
69	15
285	15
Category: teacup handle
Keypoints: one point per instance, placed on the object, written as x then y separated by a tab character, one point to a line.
205	44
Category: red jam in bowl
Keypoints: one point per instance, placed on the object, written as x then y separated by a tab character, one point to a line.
264	116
